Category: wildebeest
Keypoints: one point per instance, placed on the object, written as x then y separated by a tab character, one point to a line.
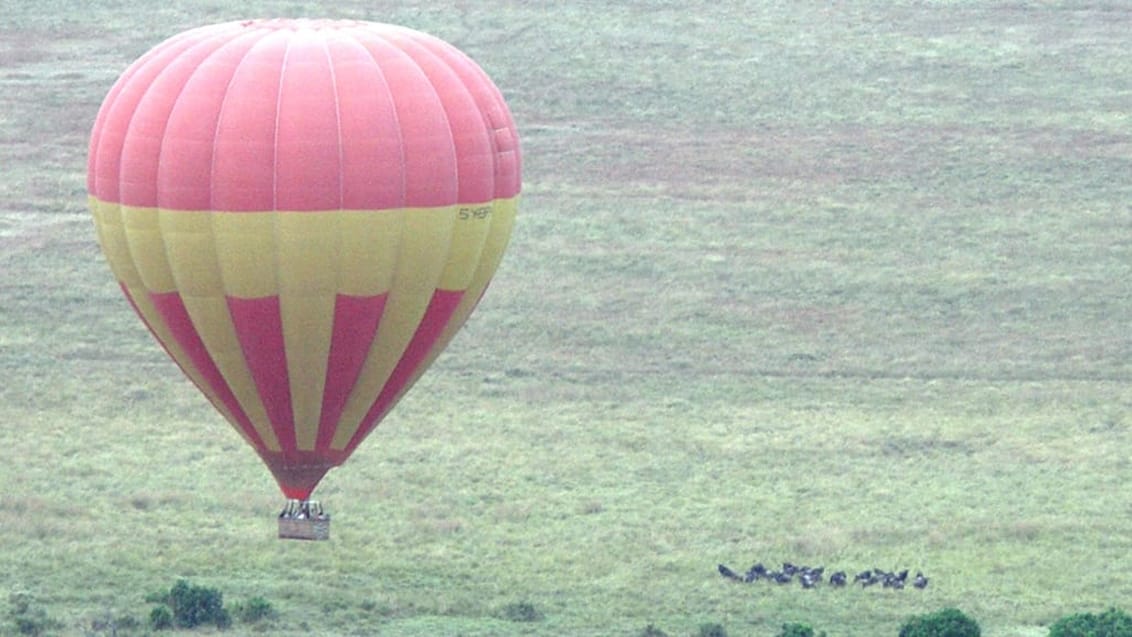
920	581
728	573
811	576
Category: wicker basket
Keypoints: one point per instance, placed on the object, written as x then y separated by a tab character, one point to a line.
304	528
304	520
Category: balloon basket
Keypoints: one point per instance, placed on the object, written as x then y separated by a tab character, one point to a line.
304	520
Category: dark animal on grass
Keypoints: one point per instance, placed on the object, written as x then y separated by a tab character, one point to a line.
728	573
893	582
755	573
811	576
809	579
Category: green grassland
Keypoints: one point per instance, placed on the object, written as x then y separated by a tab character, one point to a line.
841	283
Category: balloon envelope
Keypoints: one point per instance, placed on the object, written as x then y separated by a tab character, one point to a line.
303	213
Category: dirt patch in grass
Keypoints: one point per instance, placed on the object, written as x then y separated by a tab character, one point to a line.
22	45
724	164
699	163
19	48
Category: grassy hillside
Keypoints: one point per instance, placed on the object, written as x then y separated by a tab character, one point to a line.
833	283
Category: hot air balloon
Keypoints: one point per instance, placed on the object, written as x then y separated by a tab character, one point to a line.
303	213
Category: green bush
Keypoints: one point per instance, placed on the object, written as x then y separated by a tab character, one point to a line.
1111	623
522	612
712	630
949	622
192	606
799	630
652	631
161	618
254	610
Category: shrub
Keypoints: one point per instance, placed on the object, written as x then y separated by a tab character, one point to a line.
161	618
254	610
712	630
949	622
652	631
1111	623
522	612
192	606
798	630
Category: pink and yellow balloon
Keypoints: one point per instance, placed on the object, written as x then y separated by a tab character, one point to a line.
303	213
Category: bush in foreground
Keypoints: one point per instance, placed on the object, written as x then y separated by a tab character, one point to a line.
521	612
799	630
189	606
1111	623
255	610
949	622
161	618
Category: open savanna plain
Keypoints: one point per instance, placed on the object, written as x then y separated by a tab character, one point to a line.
837	283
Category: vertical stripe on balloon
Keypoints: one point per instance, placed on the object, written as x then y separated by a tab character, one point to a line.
177	321
259	329
439	311
355	324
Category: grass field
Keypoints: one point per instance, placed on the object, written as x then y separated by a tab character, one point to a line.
839	283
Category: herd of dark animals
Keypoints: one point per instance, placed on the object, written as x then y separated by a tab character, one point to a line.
810	577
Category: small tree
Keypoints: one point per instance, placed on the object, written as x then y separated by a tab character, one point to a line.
949	622
1111	623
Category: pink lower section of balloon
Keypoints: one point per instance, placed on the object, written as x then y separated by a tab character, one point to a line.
259	329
